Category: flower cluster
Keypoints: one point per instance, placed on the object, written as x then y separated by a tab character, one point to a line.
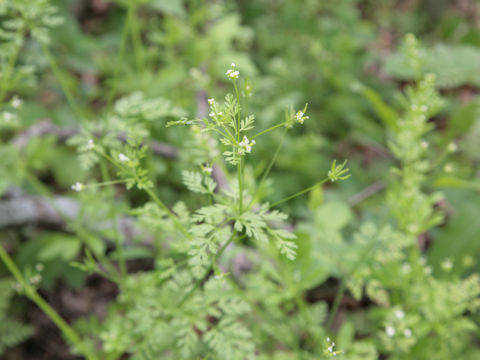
301	117
78	187
232	73
245	146
330	348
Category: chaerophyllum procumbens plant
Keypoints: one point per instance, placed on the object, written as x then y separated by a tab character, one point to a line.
192	304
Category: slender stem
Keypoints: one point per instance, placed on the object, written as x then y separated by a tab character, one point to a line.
58	74
170	214
240	163
269	129
300	192
10	67
214	261
120	56
136	38
105	183
116	234
32	294
269	168
336	302
44	190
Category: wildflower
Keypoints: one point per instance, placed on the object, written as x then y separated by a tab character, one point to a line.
452	147
424	144
211	101
246	146
232	73
123	157
406	268
448	168
390	331
447	264
206	169
399	314
428	270
212	114
78	187
8	116
90	144
16	102
407	332
300	116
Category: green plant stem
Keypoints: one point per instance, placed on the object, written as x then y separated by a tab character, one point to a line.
58	74
120	56
214	264
10	67
32	294
116	234
170	214
136	37
336	302
268	169
269	129
42	189
240	163
300	192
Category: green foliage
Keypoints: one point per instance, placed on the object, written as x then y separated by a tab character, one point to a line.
180	199
12	331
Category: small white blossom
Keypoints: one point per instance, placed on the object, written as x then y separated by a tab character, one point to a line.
427	270
207	169
246	146
424	144
232	74
390	331
300	116
447	264
407	332
452	147
78	187
123	157
8	116
212	114
448	168
16	102
211	101
39	267
406	268
399	314
90	144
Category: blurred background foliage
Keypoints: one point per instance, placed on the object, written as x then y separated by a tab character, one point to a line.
341	57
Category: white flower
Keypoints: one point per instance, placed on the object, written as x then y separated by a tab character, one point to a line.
452	147
399	314
300	116
90	144
390	331
448	168
246	146
447	264
407	332
211	101
78	187
212	114
16	102
207	169
8	116
232	74
123	157
427	270
424	144
406	268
